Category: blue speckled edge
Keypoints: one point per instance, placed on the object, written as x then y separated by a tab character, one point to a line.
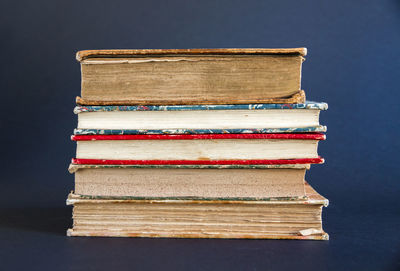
198	131
306	105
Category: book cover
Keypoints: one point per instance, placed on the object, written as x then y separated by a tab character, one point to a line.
270	218
191	76
209	119
198	149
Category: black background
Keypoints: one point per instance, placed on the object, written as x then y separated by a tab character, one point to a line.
353	64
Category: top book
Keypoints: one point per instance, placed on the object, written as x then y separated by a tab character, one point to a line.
191	76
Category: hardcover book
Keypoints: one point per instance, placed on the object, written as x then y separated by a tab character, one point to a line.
284	218
198	147
191	76
190	181
200	119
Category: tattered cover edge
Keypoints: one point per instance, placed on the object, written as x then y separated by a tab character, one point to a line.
308	105
112	53
75	167
279	136
212	235
312	198
188	199
299	97
319	129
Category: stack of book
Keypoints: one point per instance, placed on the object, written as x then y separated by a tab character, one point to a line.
205	143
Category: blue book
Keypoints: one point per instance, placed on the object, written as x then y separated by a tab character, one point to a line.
200	119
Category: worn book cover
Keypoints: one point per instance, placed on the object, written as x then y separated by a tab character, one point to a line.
191	76
190	181
269	218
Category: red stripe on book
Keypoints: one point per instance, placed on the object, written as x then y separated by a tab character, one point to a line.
313	136
79	161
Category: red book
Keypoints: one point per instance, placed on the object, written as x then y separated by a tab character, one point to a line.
78	161
198	149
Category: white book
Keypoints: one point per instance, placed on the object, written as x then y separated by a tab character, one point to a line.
197	119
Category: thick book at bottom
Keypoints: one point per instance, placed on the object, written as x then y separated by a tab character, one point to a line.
290	218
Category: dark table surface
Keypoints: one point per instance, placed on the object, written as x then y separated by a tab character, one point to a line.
33	238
